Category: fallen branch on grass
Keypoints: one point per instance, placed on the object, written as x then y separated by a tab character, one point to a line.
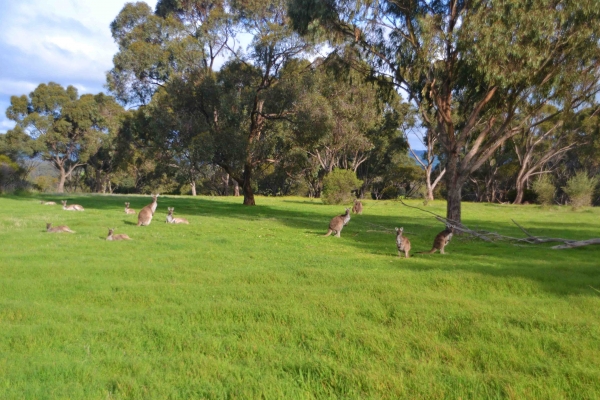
493	236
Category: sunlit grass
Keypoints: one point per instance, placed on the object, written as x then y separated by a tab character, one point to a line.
250	302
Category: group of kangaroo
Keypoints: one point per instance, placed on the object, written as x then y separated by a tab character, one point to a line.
336	225
402	243
144	218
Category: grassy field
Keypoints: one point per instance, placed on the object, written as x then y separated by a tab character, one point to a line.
253	302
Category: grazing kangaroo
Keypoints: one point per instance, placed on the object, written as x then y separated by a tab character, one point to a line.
129	210
120	236
357	208
402	243
173	220
338	222
146	213
58	229
441	240
48	203
72	207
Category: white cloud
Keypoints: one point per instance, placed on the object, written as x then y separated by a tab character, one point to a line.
64	41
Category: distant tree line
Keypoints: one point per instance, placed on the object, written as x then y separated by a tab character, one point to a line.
498	98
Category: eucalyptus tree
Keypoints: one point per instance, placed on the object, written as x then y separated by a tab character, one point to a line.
469	66
67	128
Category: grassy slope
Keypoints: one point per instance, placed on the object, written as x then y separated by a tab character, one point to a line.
252	301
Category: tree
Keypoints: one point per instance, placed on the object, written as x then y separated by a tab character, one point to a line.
471	65
67	128
540	145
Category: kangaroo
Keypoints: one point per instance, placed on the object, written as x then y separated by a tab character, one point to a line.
173	220
57	229
357	208
338	222
72	207
441	240
402	243
48	203
146	213
120	236
129	210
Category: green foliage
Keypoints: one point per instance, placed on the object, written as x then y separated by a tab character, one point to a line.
580	189
65	129
174	314
544	189
338	186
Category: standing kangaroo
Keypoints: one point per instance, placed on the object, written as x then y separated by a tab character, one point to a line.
72	207
357	208
57	229
120	236
441	240
146	213
402	243
338	222
173	220
129	210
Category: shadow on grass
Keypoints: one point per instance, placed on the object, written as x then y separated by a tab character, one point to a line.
562	272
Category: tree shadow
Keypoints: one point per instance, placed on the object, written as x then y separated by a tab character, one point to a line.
562	272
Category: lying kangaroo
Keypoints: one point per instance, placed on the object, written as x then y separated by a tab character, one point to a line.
72	207
441	240
120	236
173	220
129	210
48	203
58	229
338	222
357	208
146	213
402	243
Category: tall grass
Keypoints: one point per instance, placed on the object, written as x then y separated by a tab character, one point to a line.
251	302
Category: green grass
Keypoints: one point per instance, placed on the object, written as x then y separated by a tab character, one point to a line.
253	302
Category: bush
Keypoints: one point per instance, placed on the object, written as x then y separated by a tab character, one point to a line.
392	193
580	189
338	186
544	188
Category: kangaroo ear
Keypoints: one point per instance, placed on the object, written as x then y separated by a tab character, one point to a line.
396	229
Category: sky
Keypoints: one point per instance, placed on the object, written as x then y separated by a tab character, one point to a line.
62	41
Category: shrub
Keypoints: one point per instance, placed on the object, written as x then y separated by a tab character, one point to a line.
580	189
529	196
338	186
544	188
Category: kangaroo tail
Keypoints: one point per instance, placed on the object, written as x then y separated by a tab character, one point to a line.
427	252
329	232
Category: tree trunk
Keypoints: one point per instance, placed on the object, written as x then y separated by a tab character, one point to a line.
247	186
226	185
520	191
454	186
99	183
61	181
193	185
236	188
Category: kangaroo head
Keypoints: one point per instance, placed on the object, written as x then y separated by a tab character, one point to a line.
450	228
127	205
399	231
110	231
48	225
64	202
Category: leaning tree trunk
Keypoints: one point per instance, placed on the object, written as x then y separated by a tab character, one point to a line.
236	188
193	185
247	186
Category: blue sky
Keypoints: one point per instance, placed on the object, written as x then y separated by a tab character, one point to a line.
63	41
